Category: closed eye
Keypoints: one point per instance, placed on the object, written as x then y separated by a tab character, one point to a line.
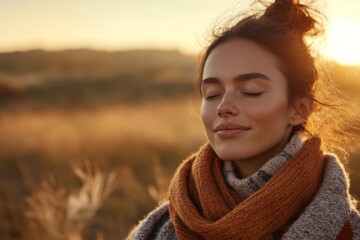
251	94
212	97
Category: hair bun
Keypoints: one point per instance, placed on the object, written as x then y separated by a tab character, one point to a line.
291	13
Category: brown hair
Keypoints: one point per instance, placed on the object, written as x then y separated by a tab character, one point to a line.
282	29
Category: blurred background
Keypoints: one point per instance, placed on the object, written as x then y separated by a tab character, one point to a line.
98	106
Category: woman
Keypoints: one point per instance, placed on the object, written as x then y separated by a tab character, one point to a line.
264	174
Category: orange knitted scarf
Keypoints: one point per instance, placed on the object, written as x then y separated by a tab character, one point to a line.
202	206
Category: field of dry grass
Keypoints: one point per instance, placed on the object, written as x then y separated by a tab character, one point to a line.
139	141
100	130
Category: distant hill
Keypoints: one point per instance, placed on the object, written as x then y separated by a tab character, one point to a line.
151	63
348	78
87	77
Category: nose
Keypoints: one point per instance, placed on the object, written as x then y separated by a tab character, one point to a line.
227	107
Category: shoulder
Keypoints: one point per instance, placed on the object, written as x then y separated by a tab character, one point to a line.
355	223
156	225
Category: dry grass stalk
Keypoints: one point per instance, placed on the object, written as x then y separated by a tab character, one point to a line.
159	190
60	214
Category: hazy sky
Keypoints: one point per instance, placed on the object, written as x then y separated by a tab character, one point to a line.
120	24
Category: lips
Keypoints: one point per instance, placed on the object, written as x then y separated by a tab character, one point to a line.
230	130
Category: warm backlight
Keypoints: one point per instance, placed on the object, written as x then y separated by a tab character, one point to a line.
344	42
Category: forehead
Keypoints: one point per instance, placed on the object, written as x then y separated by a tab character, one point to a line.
239	56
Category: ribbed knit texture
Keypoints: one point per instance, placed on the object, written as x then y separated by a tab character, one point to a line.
156	226
247	186
325	216
328	215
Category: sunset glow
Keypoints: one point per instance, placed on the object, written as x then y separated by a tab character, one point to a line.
343	42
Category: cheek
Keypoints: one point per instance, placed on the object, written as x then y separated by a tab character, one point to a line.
269	111
208	114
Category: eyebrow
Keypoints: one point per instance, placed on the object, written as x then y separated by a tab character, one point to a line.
241	77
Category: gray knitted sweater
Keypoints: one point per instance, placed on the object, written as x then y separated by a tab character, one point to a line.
322	218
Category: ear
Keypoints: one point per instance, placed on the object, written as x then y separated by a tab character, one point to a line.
300	110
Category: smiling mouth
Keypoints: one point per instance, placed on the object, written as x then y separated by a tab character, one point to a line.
230	130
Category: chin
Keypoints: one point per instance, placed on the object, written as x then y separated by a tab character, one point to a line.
231	154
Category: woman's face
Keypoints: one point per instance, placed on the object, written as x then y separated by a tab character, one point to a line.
245	108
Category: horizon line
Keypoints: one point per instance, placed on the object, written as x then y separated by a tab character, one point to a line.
145	49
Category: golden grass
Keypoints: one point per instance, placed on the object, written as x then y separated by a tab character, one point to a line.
136	140
55	213
83	131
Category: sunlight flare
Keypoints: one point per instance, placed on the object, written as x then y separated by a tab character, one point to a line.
343	42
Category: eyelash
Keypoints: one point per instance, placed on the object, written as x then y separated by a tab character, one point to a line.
211	97
257	94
